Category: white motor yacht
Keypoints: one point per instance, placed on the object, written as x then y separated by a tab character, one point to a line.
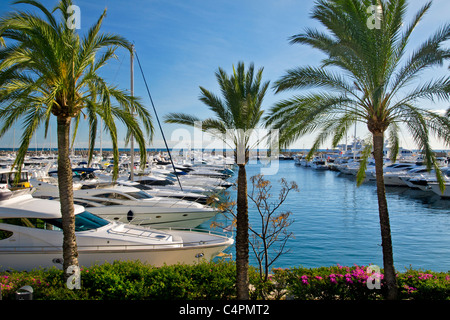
304	162
170	182
413	174
201	181
434	186
350	167
31	237
168	193
319	164
423	178
420	177
392	173
132	205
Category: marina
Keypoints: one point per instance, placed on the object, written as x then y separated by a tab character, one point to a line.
197	178
335	221
31	238
112	221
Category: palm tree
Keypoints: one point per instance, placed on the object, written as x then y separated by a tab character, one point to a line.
48	69
235	116
370	83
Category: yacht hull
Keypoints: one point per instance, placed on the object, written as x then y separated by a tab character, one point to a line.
192	251
155	217
435	188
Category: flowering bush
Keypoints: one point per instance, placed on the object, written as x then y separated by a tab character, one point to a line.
337	282
359	282
11	282
416	284
209	280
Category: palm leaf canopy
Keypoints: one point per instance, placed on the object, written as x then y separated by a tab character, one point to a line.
367	76
46	69
236	112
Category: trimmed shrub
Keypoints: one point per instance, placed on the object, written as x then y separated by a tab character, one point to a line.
216	281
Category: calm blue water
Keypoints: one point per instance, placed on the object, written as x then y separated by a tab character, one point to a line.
337	222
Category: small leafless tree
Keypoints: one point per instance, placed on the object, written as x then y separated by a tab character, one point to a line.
267	238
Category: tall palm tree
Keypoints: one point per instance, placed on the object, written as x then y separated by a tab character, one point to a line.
47	69
368	78
234	117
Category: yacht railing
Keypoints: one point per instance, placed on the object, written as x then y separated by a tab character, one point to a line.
154	231
117	246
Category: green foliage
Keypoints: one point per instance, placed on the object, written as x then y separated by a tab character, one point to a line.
216	281
423	285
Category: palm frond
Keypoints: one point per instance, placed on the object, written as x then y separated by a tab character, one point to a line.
181	118
49	67
365	154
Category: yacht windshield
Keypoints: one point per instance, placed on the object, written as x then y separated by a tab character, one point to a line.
139	195
83	222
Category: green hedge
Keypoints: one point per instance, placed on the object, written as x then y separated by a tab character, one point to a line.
215	280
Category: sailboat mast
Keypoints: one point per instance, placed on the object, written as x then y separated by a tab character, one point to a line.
101	139
132	93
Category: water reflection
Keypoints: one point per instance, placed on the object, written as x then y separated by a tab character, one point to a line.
430	199
337	222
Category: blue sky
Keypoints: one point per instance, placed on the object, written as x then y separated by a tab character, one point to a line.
181	43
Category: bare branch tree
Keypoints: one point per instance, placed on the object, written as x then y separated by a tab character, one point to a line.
268	238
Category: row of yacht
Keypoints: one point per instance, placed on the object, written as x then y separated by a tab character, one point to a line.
411	173
151	216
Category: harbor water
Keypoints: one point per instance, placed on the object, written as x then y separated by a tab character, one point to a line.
336	222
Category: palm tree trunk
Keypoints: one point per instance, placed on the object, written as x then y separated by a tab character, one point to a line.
65	185
242	236
386	241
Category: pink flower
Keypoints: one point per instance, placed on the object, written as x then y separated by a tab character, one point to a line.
409	289
348	278
332	278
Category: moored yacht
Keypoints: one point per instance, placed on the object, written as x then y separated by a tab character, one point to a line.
169	193
394	172
132	205
434	186
31	237
319	164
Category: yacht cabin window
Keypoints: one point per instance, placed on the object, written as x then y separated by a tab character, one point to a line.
5	234
139	195
112	195
83	222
